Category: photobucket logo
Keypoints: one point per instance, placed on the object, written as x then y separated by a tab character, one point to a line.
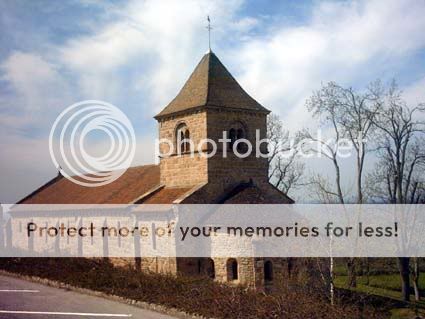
303	146
69	136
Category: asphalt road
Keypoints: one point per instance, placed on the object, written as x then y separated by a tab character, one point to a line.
22	299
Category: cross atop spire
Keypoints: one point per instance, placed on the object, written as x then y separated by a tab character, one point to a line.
209	27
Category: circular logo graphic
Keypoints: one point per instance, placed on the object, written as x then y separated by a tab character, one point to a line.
80	130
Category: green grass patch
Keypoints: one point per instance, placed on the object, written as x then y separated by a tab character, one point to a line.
390	282
387	286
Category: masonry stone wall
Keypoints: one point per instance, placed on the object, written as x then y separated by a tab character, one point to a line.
183	170
221	174
232	169
164	265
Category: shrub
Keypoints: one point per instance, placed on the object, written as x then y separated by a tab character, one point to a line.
194	295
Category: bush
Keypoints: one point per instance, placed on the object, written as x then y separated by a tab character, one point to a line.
194	295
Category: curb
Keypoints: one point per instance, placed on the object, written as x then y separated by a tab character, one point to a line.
139	304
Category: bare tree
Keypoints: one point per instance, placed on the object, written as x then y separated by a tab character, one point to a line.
285	171
350	115
323	190
401	149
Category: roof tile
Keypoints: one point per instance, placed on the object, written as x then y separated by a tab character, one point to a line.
211	84
132	184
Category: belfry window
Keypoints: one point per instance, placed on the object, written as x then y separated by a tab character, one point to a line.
240	134
232	137
183	144
236	133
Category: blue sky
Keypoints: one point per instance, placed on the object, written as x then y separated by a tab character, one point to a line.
137	55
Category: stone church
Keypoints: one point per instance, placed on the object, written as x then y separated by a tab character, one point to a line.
211	102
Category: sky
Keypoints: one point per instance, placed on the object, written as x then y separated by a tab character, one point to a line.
138	54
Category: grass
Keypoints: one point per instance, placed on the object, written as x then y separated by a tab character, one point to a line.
384	281
388	282
379	288
387	286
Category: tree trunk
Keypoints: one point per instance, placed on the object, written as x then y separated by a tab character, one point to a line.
415	278
338	181
360	158
290	265
403	264
366	270
351	271
416	289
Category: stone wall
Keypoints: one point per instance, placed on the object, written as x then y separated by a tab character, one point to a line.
230	170
183	170
224	172
162	265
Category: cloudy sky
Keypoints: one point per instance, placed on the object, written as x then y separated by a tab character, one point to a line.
137	55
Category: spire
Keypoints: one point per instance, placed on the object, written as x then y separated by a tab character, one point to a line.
211	85
209	28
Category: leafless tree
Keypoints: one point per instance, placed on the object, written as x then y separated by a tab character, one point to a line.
397	176
325	191
285	170
350	115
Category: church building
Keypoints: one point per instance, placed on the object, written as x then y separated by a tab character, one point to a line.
211	102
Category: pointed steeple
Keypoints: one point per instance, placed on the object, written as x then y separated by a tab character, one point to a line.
211	85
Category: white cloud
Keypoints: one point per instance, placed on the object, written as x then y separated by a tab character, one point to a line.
39	90
149	48
343	42
415	92
161	40
32	77
245	24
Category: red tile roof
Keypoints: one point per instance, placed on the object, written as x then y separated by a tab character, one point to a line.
135	182
165	195
132	186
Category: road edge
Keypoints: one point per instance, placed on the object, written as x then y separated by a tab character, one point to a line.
139	304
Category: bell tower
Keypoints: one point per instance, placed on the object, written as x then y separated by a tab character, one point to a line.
212	105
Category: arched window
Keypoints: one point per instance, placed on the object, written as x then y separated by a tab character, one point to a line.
232	269
182	139
237	132
186	141
268	271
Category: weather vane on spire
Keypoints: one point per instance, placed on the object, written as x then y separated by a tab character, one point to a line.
209	32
